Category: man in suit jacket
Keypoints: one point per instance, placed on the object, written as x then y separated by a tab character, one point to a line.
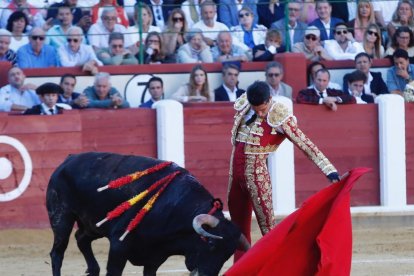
49	94
374	84
228	12
319	93
294	24
324	11
229	91
274	76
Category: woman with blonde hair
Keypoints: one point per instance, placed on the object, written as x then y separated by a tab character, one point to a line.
197	89
143	24
372	42
403	16
174	33
365	16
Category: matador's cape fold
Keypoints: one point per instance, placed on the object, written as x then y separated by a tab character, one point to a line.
316	239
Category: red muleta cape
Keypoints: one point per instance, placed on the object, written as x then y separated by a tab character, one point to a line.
316	239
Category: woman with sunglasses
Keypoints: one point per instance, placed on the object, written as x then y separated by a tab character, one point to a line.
403	39
17	25
174	33
365	16
247	34
372	42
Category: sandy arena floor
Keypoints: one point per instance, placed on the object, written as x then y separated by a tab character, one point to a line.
377	251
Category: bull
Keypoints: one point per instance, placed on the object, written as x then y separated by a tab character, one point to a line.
178	223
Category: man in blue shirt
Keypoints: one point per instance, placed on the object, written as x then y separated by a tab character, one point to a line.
36	54
401	73
156	90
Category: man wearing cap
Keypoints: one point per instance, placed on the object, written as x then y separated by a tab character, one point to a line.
311	46
49	94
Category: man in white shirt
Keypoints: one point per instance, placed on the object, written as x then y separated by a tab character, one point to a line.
16	96
98	34
208	24
344	45
75	53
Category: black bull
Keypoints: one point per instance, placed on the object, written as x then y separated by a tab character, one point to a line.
173	226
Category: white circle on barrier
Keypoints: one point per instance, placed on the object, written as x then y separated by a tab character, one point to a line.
5	168
28	168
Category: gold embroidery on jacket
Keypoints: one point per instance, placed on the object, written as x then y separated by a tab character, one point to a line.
278	114
307	146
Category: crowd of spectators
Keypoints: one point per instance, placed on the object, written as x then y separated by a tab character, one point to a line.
93	33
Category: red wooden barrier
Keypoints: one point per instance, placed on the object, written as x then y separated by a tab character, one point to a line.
49	139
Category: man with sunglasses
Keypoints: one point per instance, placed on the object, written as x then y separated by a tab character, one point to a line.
75	53
311	46
37	54
344	46
260	126
274	76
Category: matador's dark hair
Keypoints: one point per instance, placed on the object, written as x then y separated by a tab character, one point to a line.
258	93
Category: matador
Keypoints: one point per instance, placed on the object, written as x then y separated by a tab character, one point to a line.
260	126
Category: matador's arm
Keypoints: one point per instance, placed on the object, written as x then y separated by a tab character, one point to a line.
289	127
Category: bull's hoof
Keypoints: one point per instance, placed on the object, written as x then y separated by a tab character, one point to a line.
92	272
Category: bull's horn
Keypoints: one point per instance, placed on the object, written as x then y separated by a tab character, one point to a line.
209	220
244	243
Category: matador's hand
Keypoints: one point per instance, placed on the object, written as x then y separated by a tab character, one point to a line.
333	177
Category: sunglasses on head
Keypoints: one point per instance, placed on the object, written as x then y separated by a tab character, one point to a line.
341	32
372	33
73	39
241	15
271	75
178	19
311	37
38	37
